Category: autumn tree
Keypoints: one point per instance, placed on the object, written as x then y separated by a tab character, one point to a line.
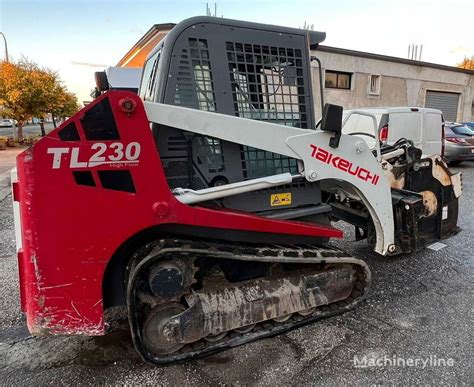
27	90
48	85
65	105
467	63
17	92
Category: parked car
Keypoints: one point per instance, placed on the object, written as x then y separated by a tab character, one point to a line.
470	124
458	147
7	123
423	126
460	129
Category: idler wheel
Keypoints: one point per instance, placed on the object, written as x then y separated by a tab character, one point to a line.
155	337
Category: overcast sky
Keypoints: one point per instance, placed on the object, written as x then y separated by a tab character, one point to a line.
61	34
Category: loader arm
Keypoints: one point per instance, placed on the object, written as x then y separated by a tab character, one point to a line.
351	163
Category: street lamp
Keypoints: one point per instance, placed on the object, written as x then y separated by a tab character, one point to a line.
6	47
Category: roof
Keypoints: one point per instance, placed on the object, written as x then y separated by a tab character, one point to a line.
362	54
135	57
395	109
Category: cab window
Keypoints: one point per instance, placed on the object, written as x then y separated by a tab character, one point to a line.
147	86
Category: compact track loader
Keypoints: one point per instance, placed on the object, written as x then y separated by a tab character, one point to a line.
204	203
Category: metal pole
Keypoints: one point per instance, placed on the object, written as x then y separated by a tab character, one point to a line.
321	86
6	46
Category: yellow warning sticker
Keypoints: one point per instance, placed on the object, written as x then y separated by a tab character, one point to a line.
282	199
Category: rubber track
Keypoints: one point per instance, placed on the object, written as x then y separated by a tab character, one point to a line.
265	253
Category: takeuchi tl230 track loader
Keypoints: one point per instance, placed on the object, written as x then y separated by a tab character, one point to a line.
204	203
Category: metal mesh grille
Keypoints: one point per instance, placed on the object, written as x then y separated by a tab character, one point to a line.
195	89
267	85
177	173
194	86
257	162
202	74
185	94
209	152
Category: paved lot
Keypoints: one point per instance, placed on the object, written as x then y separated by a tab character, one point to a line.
7	162
420	306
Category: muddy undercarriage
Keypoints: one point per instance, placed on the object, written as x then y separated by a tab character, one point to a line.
235	294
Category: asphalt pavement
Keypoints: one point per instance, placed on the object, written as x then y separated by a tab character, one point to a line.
420	307
28	130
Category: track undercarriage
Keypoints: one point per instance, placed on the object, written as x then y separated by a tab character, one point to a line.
188	299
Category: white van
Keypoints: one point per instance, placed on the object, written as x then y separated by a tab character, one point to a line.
423	126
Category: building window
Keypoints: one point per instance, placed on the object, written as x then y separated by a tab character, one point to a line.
338	80
374	85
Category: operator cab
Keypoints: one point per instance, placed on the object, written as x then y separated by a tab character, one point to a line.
242	69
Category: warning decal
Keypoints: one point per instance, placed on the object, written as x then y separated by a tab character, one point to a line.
282	199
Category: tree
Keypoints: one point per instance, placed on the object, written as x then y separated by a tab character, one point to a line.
27	90
48	86
467	63
65	105
17	93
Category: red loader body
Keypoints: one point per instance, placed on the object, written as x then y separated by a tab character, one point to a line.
74	220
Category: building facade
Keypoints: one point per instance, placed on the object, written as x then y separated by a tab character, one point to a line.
357	79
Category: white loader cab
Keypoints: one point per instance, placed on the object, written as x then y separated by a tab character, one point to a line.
423	126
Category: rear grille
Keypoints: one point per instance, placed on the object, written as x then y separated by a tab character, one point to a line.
267	85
